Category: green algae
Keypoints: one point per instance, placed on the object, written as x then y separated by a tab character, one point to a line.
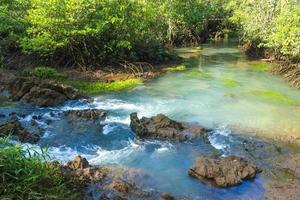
176	68
260	66
230	83
272	96
198	74
90	88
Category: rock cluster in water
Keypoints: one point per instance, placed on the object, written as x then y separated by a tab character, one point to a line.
41	93
15	129
108	183
162	127
223	172
87	114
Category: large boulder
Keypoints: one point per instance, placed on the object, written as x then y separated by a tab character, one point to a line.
41	92
223	172
15	129
160	126
87	114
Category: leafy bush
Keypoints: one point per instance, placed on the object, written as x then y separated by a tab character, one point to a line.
29	177
273	24
46	73
285	36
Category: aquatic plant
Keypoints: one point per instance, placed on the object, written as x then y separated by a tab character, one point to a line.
230	83
30	177
90	88
259	66
269	95
198	74
176	68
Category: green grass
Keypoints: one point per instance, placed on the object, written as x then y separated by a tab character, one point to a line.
230	83
176	68
272	96
90	88
260	66
29	177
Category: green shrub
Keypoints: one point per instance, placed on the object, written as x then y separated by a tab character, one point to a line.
45	73
29	177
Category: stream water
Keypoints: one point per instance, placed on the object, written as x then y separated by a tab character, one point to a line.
221	89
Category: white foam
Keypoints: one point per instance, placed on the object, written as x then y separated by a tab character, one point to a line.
217	138
115	156
108	128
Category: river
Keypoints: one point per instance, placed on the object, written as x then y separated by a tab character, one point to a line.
220	89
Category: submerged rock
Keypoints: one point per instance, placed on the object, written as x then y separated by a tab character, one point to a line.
88	114
14	128
41	93
223	172
160	126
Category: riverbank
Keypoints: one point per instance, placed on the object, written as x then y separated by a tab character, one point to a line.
284	66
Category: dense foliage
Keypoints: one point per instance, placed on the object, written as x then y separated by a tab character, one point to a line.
272	24
29	177
89	32
93	32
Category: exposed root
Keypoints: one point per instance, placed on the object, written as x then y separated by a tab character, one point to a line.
138	69
289	71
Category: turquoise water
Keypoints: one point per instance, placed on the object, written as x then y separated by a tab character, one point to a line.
220	89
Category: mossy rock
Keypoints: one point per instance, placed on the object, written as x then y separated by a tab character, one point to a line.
272	96
230	83
260	66
176	68
90	88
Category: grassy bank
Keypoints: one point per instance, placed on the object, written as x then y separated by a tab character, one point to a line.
90	88
29	177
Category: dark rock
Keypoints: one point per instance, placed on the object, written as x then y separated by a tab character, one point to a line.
2	116
41	92
78	163
160	126
223	172
79	167
109	182
15	128
88	114
12	113
39	117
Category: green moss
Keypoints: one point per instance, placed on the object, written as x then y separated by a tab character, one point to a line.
90	88
176	68
259	66
198	74
269	95
230	83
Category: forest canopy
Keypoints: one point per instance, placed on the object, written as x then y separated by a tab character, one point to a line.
92	32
